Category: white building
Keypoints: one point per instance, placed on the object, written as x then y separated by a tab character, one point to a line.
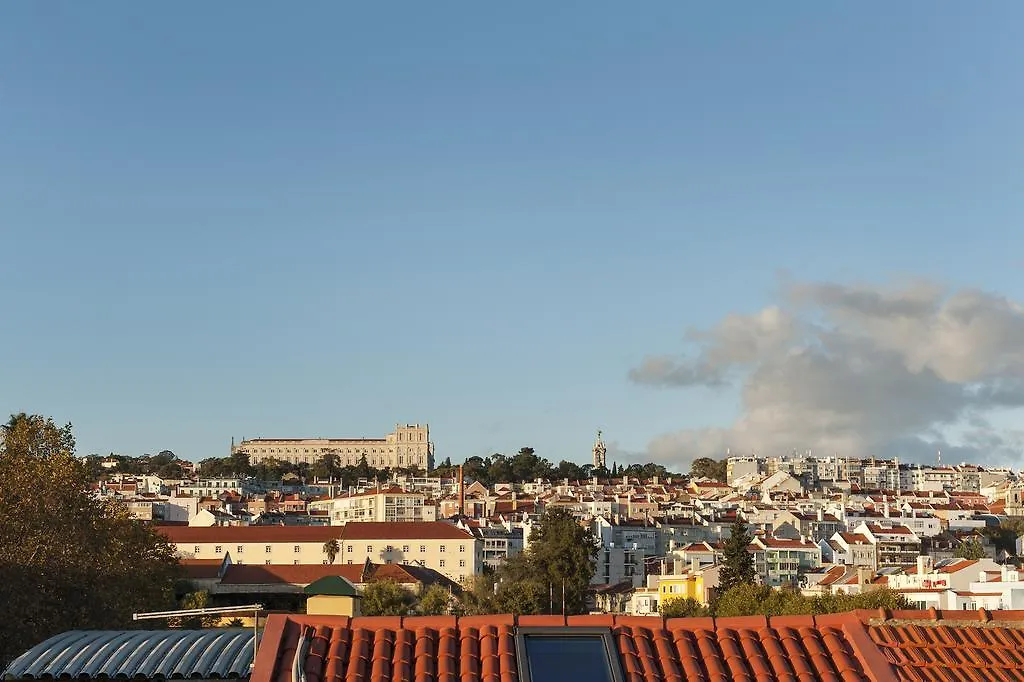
392	505
441	546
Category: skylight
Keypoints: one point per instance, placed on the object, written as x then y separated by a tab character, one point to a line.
557	654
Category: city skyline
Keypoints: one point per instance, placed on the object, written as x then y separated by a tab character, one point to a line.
795	227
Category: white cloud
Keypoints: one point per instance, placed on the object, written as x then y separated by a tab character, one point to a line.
855	369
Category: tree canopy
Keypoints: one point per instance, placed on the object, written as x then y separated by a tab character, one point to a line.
737	562
970	549
386	598
551	575
67	559
705	467
526	466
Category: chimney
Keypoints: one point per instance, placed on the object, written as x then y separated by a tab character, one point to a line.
863	575
821	514
921	565
462	493
514	504
982	577
694	565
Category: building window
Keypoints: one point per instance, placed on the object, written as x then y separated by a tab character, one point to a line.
296	562
462	563
297	549
369	549
442	549
462	548
405	549
388	548
349	549
554	654
267	549
423	548
267	562
218	549
239	548
442	563
195	550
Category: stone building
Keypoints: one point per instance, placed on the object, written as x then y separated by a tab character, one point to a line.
407	446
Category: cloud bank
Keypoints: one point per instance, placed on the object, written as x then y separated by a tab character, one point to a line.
856	370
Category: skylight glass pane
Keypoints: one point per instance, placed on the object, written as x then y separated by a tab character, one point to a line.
561	658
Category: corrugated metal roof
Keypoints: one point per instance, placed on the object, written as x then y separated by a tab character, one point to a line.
138	654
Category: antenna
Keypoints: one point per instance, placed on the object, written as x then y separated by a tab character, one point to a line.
254	608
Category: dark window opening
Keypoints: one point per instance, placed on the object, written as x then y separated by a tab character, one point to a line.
558	654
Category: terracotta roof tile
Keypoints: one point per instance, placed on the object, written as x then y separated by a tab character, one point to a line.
950	645
756	649
405	530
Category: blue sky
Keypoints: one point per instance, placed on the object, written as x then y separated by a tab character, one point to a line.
242	219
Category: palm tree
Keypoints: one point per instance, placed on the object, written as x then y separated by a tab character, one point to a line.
331	549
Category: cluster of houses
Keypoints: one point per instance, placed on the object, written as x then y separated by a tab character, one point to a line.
660	539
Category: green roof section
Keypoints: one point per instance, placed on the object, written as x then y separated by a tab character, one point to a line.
331	586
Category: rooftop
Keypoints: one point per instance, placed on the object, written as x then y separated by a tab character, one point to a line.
876	646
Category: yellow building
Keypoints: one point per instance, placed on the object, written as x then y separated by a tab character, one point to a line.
690	584
332	595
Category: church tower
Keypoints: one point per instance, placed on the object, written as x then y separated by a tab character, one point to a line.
599	452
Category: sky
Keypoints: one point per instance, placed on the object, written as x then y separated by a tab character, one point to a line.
699	227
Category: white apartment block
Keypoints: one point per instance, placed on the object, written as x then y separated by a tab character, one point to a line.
391	505
211	487
407	446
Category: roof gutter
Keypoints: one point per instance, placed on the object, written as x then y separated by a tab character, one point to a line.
298	667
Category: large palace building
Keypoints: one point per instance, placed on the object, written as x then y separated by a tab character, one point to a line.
406	446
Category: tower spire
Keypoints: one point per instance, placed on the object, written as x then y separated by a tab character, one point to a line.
600	451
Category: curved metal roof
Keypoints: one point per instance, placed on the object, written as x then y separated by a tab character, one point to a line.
137	654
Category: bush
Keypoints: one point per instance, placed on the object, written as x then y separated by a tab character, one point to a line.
682	608
761	600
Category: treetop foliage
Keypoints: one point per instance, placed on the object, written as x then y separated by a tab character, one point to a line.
705	467
737	562
527	466
68	560
551	575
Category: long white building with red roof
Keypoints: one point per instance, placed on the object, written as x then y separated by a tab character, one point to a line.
441	546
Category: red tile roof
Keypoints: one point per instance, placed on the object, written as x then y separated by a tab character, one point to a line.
405	530
201	569
304	574
948	647
879	646
799	648
240	534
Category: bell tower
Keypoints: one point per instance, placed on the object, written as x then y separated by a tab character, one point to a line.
599	452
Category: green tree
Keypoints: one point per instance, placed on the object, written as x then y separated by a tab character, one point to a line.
199	599
682	608
67	560
386	598
560	561
434	601
705	467
970	549
477	597
751	600
331	549
737	562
